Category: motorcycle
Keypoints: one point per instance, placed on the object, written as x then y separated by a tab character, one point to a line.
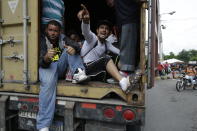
184	82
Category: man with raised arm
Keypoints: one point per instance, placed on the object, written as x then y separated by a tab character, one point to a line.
95	47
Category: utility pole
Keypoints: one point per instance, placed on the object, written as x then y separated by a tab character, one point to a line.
161	26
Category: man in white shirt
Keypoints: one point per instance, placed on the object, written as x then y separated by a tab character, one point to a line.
94	49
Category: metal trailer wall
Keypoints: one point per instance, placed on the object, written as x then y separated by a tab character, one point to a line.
19	41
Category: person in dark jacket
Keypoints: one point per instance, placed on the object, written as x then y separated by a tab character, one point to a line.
128	18
57	53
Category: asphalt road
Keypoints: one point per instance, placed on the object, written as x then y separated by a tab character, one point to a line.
169	110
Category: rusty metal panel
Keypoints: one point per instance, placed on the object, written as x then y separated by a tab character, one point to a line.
11	40
153	29
103	90
153	42
142	43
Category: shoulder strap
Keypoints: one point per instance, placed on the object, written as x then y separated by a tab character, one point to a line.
96	43
105	48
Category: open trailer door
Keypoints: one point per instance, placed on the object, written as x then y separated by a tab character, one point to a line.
153	35
18	42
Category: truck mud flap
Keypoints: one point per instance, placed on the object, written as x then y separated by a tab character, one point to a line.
29	124
69	117
3	100
101	126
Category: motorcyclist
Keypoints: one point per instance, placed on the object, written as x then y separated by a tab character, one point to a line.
190	73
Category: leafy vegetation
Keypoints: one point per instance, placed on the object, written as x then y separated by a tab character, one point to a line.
184	55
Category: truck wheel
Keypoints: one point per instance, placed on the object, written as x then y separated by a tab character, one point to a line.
135	128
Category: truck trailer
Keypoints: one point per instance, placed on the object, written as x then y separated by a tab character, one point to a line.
95	106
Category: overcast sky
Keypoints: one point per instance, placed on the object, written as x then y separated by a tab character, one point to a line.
181	27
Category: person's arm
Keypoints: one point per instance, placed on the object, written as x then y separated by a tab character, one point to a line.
87	33
113	49
44	60
194	70
69	43
186	70
84	16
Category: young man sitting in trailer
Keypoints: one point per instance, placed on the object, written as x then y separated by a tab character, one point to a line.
57	53
95	47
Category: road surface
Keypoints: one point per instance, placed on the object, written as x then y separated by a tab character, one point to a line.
169	110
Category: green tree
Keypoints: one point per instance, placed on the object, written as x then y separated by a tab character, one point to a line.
170	56
190	55
193	58
184	55
193	55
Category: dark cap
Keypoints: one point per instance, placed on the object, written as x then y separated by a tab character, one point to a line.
104	22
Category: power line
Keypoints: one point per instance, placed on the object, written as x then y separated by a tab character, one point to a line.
181	19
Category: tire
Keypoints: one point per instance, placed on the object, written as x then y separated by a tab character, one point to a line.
195	87
180	86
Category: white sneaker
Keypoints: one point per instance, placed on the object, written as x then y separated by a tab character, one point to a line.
80	76
113	81
124	83
44	129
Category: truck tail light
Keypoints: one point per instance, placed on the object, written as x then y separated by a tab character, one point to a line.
35	108
88	105
109	113
24	107
128	115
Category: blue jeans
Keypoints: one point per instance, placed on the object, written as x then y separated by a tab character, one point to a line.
128	46
48	83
